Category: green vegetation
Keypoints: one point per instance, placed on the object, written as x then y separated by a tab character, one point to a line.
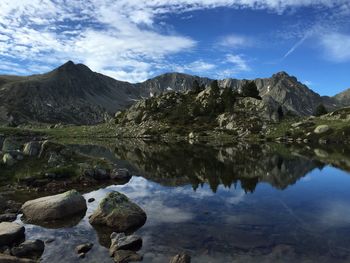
250	89
320	110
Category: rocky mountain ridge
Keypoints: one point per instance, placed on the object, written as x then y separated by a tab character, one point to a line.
73	94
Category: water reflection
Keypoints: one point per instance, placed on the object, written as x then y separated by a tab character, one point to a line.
250	204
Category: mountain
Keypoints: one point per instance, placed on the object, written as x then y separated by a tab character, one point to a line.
74	94
281	87
343	98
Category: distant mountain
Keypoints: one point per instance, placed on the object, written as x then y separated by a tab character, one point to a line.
74	94
281	87
343	97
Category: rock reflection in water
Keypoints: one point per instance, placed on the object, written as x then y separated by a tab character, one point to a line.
181	164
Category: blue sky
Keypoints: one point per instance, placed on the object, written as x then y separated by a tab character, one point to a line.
134	40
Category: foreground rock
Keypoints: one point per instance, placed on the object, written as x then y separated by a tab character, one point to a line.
181	258
10	233
32	249
124	256
11	259
119	213
54	207
122	242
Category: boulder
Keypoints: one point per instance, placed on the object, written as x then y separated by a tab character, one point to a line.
321	129
4	258
119	213
11	144
122	242
7	159
32	148
10	233
8	217
181	258
120	174
124	256
32	249
54	207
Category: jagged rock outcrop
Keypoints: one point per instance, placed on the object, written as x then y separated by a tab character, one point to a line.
73	94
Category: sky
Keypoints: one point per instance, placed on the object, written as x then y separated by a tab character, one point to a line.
134	40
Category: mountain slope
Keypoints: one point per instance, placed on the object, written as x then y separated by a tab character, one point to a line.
71	93
343	98
74	94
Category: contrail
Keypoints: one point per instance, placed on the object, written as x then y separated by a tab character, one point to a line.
290	51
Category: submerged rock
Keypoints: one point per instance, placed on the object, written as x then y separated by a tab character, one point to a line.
124	256
32	249
10	233
54	207
83	248
181	258
4	258
122	242
119	213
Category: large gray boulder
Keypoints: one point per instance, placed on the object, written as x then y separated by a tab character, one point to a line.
10	233
119	213
54	207
321	129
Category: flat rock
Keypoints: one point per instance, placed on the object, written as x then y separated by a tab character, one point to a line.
122	242
124	256
117	212
120	174
32	249
181	258
54	207
10	233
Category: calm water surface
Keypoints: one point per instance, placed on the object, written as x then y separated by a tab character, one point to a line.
220	204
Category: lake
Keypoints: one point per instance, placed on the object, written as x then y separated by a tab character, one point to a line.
231	203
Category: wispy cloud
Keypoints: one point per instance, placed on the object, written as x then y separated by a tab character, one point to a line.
235	41
121	38
336	46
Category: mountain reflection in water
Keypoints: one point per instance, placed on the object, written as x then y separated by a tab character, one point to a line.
242	203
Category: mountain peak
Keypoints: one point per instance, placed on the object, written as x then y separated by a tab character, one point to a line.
281	74
71	67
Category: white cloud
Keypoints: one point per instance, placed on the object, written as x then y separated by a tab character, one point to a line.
235	41
198	66
119	37
239	62
337	46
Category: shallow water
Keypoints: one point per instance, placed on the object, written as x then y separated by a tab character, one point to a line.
221	204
